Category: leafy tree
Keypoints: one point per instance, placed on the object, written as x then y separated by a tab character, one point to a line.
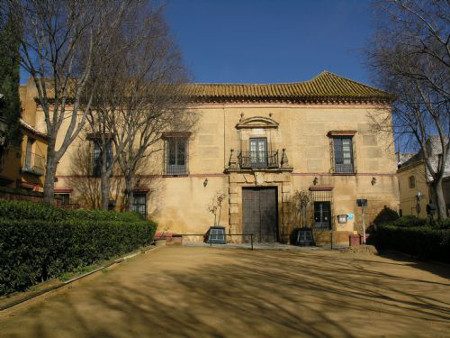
10	109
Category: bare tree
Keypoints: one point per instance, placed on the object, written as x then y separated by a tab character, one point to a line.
137	95
89	194
154	100
410	57
61	43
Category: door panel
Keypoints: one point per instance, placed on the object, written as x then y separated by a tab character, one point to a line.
259	206
268	214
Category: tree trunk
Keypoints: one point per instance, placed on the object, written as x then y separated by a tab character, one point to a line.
104	187
50	172
130	191
104	179
440	200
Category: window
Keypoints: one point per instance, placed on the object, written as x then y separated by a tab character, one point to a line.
343	155
258	152
176	156
322	215
65	198
412	182
29	154
140	204
97	157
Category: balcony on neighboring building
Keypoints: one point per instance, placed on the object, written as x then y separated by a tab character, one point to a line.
273	160
33	164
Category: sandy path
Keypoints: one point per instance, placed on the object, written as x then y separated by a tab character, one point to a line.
194	291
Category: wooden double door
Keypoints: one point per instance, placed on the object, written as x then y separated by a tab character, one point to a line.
260	213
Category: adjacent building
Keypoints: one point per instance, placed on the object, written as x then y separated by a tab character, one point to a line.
23	167
414	180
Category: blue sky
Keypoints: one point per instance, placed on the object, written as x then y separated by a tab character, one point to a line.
263	41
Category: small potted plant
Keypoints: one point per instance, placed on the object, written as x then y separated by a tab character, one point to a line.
216	233
161	238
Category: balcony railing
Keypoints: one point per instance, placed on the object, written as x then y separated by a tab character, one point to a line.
344	168
33	164
258	160
176	169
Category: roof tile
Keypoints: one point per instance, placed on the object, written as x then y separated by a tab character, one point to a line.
326	85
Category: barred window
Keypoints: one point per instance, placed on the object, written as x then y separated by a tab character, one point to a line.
97	157
343	155
140	204
176	156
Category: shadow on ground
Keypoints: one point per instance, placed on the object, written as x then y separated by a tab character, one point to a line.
211	292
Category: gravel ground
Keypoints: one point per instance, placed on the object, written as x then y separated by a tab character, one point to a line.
193	291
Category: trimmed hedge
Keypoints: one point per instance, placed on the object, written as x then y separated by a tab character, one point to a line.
423	242
39	242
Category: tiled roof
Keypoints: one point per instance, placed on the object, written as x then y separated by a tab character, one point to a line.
32	129
324	87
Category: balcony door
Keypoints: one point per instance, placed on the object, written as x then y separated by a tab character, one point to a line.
258	152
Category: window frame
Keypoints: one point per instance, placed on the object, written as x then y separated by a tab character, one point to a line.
256	160
412	182
62	194
135	206
351	166
96	158
175	168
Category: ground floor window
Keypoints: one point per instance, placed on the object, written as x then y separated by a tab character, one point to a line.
322	215
65	198
322	204
140	204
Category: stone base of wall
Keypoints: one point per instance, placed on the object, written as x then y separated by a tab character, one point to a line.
324	237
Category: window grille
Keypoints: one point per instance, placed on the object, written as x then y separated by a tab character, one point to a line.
140	204
97	157
343	154
176	162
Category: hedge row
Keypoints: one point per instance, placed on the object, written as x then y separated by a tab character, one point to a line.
423	242
54	241
18	210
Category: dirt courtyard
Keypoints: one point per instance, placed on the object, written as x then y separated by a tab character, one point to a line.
198	291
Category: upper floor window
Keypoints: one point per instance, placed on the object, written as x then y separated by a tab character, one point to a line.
97	157
412	182
258	152
176	156
29	153
343	154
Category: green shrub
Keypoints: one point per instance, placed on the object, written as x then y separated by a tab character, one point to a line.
441	224
38	242
409	222
422	242
32	210
386	215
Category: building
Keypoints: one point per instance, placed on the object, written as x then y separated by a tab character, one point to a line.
24	167
414	180
260	145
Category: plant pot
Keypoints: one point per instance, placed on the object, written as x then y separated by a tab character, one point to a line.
175	240
160	242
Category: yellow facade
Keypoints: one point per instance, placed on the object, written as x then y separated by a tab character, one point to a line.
412	183
24	167
298	137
